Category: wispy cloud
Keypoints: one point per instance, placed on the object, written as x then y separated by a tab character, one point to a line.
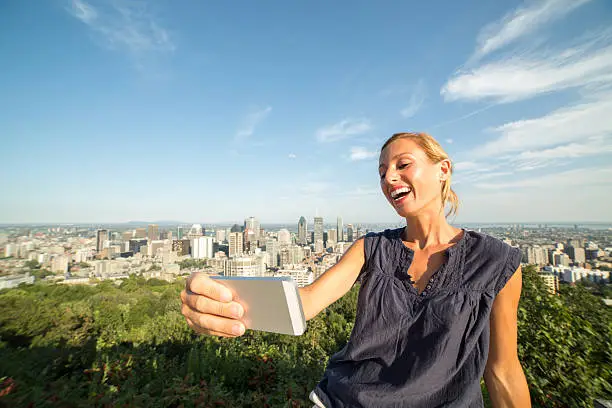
576	177
315	187
569	124
521	77
124	26
417	97
343	129
292	156
449	141
522	22
592	147
361	153
250	123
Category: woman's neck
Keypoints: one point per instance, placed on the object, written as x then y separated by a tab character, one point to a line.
426	230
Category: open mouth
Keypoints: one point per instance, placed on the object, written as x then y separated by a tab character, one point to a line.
399	194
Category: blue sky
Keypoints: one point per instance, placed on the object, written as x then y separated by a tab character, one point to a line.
214	111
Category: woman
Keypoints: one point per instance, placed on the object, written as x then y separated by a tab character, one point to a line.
437	305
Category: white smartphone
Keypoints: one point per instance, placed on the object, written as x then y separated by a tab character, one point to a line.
270	304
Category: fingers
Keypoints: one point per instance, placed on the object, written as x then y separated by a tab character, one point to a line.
207	332
201	284
202	304
208	323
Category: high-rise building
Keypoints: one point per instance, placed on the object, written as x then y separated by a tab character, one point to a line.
140	233
302	231
551	281
339	230
181	246
236	246
284	237
332	237
272	248
220	235
202	247
179	232
577	254
318	229
195	231
101	236
153	232
252	225
127	235
349	233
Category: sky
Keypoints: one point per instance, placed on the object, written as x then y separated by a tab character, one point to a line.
202	111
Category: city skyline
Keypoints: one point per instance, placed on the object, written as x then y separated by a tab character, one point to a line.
121	111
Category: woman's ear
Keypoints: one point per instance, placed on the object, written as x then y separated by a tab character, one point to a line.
445	169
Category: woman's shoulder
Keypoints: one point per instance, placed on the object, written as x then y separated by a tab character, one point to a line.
489	259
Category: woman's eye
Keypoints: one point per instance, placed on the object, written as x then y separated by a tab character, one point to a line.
403	166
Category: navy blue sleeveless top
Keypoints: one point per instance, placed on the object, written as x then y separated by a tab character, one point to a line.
419	350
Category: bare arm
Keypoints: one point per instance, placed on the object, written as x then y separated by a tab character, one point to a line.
334	283
504	375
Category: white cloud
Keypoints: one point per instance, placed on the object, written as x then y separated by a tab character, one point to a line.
571	178
250	123
416	101
292	156
124	26
361	153
343	129
569	124
591	147
467	165
522	77
522	22
449	141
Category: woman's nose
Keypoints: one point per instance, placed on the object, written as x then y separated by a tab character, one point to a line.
391	176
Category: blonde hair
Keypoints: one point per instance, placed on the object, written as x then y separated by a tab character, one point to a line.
436	154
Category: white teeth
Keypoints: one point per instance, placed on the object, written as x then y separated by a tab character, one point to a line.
397	192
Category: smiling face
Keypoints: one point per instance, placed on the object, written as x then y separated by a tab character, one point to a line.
410	180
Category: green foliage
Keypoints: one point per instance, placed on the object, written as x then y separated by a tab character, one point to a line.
564	344
32	264
193	263
129	346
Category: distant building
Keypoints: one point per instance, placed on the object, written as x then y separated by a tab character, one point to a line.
181	246
576	254
284	237
302	231
272	249
202	247
127	235
339	230
551	281
236	246
101	237
179	232
195	231
153	232
332	238
349	233
137	244
246	266
252	225
574	274
140	233
318	229
220	235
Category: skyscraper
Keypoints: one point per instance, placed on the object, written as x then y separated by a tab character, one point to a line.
318	234
302	231
153	232
101	236
349	233
235	244
340	230
252	225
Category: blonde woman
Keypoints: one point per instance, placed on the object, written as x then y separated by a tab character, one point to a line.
437	305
